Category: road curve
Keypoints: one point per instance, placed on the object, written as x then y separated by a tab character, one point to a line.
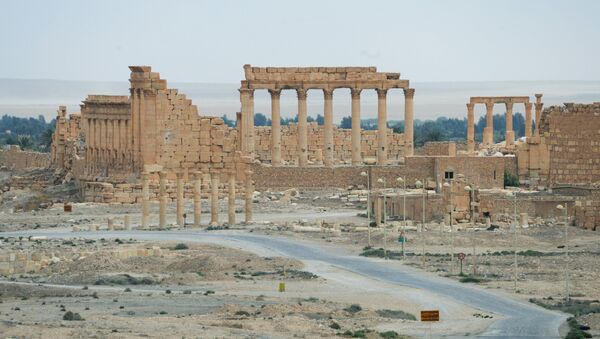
520	320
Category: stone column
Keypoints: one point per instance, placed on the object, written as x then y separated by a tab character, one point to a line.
470	128
328	127
302	128
382	126
538	113
180	199
248	192
214	199
409	117
251	123
275	127
247	126
488	131
356	134
528	120
231	200
197	198
145	200
162	196
510	134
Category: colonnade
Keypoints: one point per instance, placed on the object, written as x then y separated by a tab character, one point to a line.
488	131
107	142
247	128
197	199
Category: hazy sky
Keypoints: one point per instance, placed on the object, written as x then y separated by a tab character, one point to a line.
209	41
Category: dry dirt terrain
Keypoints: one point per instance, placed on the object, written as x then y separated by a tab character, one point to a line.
222	292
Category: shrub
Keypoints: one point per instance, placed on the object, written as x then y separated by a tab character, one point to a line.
389	335
354	308
396	314
242	313
70	316
181	246
470	279
510	180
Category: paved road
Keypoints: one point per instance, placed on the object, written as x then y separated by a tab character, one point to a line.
519	319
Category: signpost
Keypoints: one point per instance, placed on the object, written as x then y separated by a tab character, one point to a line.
402	240
430	316
461	256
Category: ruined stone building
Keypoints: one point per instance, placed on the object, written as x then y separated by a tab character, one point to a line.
157	129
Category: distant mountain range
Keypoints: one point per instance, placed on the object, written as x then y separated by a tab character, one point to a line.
29	97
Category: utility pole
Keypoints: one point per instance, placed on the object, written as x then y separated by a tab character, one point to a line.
366	175
385	256
566	219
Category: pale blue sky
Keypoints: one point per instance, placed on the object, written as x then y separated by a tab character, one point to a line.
209	41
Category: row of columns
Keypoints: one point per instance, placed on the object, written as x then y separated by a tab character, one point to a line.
488	132
180	199
247	99
107	142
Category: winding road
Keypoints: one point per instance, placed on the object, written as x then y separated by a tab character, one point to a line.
517	319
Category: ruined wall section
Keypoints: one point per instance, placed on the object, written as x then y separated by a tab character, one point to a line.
572	133
342	144
20	161
67	140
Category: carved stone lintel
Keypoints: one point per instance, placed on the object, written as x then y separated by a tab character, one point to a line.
381	93
302	93
355	93
409	93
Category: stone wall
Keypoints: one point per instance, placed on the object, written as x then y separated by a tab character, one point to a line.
447	148
19	161
342	144
488	171
572	133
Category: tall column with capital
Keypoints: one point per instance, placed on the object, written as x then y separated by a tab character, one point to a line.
538	113
247	127
510	134
381	126
302	128
470	128
328	127
355	136
162	196
488	131
409	117
528	120
197	198
214	199
231	200
251	122
248	193
145	200
180	199
275	127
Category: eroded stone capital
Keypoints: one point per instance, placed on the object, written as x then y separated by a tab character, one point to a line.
409	93
381	93
509	106
355	93
489	106
302	93
470	107
528	106
275	93
328	93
